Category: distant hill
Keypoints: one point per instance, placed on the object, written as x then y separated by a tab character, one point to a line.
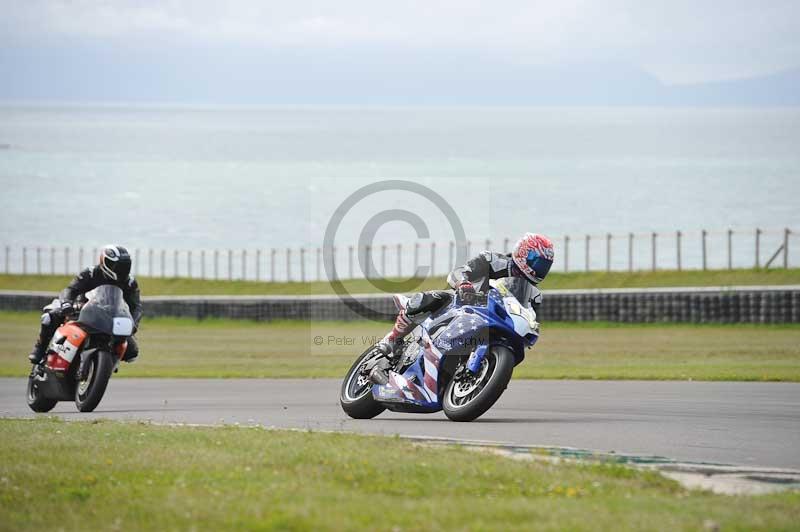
777	89
357	77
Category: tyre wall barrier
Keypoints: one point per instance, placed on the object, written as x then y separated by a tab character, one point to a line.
777	304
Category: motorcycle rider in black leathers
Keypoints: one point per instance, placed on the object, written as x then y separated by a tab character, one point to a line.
113	268
525	267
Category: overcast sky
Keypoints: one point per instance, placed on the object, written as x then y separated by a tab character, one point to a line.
273	51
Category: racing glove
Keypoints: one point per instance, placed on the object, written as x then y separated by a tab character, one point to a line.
466	292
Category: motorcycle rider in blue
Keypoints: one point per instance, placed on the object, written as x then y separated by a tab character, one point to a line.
524	268
114	267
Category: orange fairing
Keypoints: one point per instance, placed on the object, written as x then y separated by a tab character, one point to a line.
65	345
74	334
121	348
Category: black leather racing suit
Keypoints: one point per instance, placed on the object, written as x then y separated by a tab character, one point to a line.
491	265
86	281
477	271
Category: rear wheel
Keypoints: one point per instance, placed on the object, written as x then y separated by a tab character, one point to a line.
469	395
36	401
90	390
356	394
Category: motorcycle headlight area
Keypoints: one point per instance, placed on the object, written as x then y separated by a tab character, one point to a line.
524	318
122	327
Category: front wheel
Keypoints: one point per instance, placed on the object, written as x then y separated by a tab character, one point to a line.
468	395
90	390
356	394
36	400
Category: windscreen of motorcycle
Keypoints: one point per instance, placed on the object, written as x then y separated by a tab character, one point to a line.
107	312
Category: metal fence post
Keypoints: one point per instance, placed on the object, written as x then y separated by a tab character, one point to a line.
303	264
7	260
38	261
272	253
350	262
630	252
288	264
469	249
586	251
758	248
433	258
175	263
202	264
488	244
52	261
80	258
383	261
416	258
608	252
66	260
678	246
730	249
505	245
399	260
566	253
653	245
216	264
24	260
703	238
163	263
786	248
319	262
244	264
450	259
189	264
258	264
136	266
150	263
230	264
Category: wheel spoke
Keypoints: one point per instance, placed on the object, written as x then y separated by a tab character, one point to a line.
470	385
359	384
84	384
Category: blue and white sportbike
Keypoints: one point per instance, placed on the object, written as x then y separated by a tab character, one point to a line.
458	359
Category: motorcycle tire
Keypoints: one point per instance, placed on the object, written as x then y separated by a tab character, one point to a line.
36	401
89	391
461	404
362	405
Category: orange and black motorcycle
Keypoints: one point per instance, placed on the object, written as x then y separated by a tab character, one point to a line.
83	353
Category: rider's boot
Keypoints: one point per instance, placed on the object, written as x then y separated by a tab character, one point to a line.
388	347
394	338
46	330
132	352
37	353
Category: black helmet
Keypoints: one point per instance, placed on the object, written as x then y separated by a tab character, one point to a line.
115	262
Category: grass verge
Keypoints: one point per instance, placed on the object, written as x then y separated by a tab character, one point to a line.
109	475
642	279
219	348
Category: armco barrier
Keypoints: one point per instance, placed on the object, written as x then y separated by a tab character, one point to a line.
741	304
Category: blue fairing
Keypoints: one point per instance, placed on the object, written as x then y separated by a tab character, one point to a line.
469	330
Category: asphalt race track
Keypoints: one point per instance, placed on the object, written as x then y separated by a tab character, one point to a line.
749	424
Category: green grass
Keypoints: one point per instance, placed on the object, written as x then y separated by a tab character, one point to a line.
217	348
105	475
159	286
